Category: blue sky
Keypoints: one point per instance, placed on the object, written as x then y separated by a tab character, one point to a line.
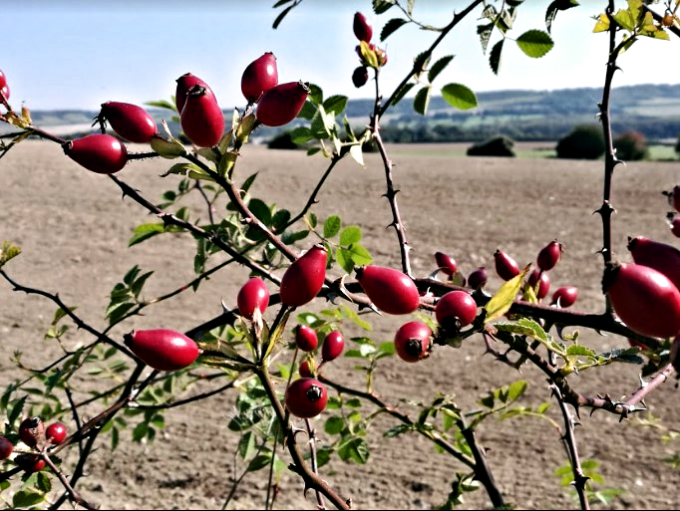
81	53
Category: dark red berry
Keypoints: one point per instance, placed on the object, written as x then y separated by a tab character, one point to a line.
446	264
281	104
4	88
304	278
675	198
260	76
543	287
506	267
306	398
30	462
6	448
362	28
564	297
184	83
675	226
332	347
412	341
202	119
549	255
455	310
644	299
253	295
307	368
56	433
32	432
305	338
390	290
478	278
103	154
131	122
360	76
660	256
165	350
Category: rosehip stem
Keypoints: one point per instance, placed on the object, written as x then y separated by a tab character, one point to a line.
73	495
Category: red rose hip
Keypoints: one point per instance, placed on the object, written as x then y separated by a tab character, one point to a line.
478	278
543	288
260	76
360	76
253	295
184	83
390	290
30	462
281	104
549	255
307	368
662	257
304	278
131	122
455	310
202	119
506	267
332	347
164	350
32	432
56	433
446	264
564	297
362	28
412	341
6	448
103	154
305	338
306	398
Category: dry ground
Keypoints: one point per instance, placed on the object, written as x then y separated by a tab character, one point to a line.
74	228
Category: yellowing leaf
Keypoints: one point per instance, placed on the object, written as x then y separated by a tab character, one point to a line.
505	296
602	24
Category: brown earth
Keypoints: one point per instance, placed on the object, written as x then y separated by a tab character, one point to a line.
73	228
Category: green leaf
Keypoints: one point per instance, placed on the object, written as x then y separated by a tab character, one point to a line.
501	302
422	100
349	235
334	425
301	134
138	284
517	390
144	232
261	211
8	252
356	152
344	259
484	32
116	312
360	256
438	67
355	449
44	483
578	350
554	8
398	430
282	15
17	408
288	238
495	56
381	6
335	104
246	446
162	104
402	92
331	227
459	96
392	26
259	462
26	499
280	220
535	43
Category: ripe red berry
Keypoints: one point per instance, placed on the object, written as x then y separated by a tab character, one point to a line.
202	119
675	198
478	278
30	462
413	341
362	28
6	448
675	226
455	310
360	76
184	83
446	264
260	76
549	255
56	433
5	91
165	350
644	299
390	290
253	295
3	85
305	338
660	256
332	347
564	297
131	122
306	398
506	267
103	154
32	431
304	278
307	368
543	287
281	104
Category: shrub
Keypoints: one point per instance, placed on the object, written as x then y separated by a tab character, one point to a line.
585	142
496	146
283	141
631	146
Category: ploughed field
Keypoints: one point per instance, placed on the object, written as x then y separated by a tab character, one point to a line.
74	228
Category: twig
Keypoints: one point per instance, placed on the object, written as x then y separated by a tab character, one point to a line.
76	416
311	434
73	495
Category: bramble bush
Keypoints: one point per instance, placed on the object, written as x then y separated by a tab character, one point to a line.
291	259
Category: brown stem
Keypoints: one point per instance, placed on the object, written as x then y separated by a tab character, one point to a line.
73	495
311	434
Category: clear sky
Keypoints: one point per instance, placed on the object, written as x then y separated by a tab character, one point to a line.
77	54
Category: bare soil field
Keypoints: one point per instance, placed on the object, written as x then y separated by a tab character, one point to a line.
74	228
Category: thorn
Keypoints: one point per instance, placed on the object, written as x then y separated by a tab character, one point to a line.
225	309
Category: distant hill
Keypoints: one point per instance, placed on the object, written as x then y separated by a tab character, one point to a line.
520	114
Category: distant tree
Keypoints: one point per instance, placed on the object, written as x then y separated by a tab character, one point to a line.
283	141
585	142
631	146
496	146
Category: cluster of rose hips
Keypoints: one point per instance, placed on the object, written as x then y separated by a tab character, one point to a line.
35	435
369	54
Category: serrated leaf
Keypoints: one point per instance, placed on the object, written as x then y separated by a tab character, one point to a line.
381	6
355	449
144	232
334	425
422	100
578	350
495	56
501	302
391	27
259	462
138	284
344	259
602	24
335	104
350	235
459	96
17	408
484	32
357	154
26	499
261	211
554	8
332	226
402	92
360	256
246	446
8	252
438	67
301	134
535	43
517	390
